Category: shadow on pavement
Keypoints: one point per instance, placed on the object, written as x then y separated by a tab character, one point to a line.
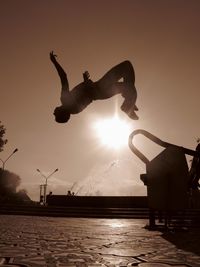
187	241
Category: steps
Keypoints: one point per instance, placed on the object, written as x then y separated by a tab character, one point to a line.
87	212
190	218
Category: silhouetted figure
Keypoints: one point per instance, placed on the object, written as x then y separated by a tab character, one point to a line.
69	193
83	94
195	171
41	200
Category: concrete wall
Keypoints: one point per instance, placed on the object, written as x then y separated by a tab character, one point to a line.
97	201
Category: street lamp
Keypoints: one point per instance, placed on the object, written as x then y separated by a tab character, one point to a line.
4	161
45	185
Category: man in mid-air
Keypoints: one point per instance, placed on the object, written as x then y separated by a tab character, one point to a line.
75	100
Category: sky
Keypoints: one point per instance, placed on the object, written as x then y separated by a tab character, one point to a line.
161	39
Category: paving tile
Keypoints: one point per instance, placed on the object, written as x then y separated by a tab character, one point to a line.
73	242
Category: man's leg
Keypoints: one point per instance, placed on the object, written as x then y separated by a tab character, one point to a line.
123	70
128	106
109	85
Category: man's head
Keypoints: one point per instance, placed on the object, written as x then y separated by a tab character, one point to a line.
61	114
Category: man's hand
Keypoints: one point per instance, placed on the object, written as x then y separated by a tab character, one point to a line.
52	56
86	76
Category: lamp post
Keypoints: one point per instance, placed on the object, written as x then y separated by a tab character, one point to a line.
45	185
41	199
4	161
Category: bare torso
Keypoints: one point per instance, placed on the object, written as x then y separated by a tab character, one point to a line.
83	94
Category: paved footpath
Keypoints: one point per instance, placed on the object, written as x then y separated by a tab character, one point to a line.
52	242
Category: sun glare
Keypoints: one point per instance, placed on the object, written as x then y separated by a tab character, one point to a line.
113	132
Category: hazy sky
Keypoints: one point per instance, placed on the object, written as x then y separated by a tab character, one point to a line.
160	37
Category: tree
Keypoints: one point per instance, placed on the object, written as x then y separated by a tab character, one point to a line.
8	186
2	140
8	182
23	195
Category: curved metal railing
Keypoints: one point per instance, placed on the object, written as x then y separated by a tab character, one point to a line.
157	141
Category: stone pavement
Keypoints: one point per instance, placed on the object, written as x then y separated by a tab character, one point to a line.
51	242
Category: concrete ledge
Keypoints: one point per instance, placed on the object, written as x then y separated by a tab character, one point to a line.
98	201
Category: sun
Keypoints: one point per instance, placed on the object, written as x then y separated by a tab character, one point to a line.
113	132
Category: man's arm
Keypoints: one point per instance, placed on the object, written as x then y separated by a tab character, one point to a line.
61	72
